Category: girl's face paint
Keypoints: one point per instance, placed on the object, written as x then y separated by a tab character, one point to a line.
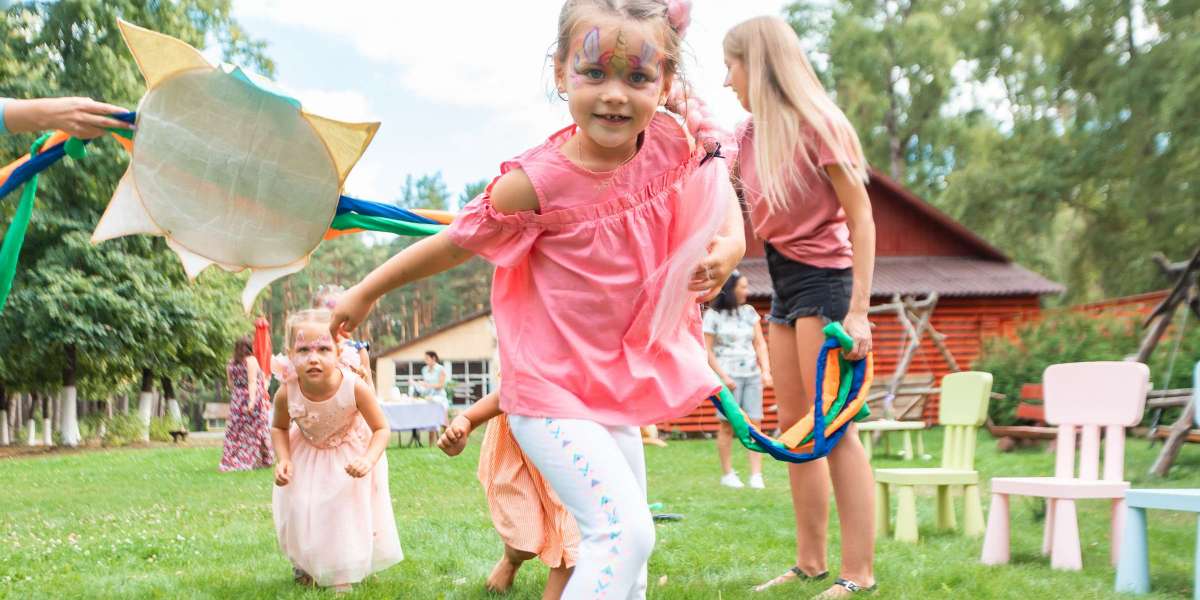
313	353
612	91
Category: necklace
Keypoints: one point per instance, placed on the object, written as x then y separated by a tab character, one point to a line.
612	177
583	163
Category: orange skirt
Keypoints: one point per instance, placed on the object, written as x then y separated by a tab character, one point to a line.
525	511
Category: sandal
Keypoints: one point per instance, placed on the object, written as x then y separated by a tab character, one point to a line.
849	586
792	573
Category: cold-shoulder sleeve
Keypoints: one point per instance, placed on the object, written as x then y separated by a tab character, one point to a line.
501	239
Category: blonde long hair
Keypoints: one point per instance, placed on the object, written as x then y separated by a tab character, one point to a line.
787	102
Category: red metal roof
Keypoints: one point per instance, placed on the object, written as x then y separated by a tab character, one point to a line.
946	275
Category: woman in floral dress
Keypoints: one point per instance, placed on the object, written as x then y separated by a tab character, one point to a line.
248	436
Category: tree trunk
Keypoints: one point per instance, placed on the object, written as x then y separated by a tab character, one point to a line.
16	414
146	403
47	432
172	404
70	419
4	435
31	422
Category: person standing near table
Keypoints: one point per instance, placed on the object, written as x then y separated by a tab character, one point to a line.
434	379
432	387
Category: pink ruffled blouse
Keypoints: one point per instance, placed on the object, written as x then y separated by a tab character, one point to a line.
571	297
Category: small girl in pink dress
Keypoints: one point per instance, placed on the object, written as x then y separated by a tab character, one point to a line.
333	513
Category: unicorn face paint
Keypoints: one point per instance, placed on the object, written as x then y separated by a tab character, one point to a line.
313	353
615	82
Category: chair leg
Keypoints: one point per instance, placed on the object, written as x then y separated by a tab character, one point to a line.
887	443
945	508
1133	569
883	511
906	513
921	444
908	446
1118	529
995	541
1048	530
1196	568
1066	553
972	511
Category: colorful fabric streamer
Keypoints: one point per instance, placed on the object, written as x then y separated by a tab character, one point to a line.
841	398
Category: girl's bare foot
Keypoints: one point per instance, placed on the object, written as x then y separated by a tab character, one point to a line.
505	571
343	588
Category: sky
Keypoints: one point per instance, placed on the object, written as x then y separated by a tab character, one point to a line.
458	86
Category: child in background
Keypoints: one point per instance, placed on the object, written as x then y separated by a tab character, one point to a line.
333	512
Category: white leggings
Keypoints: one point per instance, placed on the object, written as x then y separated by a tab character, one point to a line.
599	473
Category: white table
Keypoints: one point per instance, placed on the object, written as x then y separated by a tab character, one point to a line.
415	417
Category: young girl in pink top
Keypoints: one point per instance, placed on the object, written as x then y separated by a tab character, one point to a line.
597	235
802	171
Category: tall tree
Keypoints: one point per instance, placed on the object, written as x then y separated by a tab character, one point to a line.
81	314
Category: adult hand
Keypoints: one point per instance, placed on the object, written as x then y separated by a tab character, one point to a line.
81	117
859	328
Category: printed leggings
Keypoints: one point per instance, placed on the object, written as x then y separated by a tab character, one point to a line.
599	473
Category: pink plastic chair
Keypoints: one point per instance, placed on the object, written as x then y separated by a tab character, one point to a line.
1080	398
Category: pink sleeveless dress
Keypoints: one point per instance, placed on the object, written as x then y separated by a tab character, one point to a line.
571	297
335	527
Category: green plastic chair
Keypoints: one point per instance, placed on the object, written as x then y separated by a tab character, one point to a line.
962	410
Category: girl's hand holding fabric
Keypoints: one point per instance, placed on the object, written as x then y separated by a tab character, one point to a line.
358	467
283	472
859	328
767	380
715	268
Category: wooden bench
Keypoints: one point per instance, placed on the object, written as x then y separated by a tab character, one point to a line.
1030	409
909	400
216	415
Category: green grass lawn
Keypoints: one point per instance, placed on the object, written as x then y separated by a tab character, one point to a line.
163	523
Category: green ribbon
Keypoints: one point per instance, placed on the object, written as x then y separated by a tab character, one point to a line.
371	223
14	238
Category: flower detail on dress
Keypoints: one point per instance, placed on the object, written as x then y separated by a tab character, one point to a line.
282	369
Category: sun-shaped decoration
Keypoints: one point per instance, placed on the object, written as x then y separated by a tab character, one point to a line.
230	170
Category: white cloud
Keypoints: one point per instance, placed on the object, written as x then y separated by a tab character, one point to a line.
491	55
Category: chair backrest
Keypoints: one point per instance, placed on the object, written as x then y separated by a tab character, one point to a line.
1196	395
962	409
1082	398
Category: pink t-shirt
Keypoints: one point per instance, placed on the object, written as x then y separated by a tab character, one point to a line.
570	298
812	229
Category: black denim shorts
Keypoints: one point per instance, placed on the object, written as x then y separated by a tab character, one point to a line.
806	291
